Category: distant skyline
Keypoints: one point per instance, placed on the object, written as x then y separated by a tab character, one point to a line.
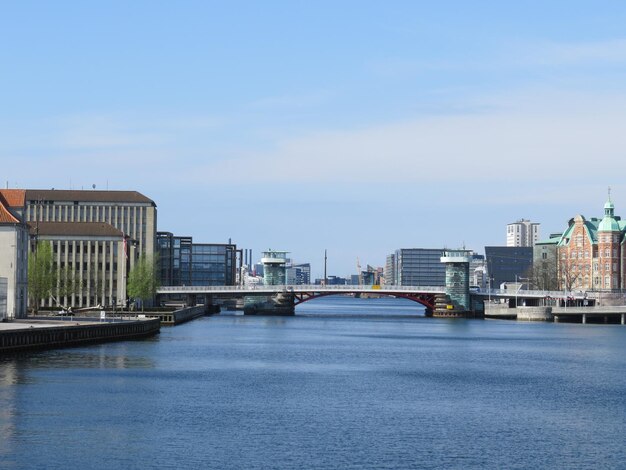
356	127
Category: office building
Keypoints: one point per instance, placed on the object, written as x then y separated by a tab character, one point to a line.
508	263
90	221
522	233
545	264
91	260
185	263
418	267
390	270
299	274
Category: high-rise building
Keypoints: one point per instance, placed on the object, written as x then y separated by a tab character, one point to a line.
522	233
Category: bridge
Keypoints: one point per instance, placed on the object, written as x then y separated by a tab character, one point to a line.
424	295
303	293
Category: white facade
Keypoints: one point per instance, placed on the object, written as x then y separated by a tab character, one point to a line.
14	267
522	233
3	298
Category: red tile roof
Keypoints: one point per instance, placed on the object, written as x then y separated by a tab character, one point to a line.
14	197
5	216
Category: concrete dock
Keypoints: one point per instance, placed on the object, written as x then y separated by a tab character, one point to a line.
21	335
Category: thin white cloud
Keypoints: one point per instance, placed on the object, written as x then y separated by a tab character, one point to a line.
540	136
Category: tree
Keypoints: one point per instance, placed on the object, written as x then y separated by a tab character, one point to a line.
543	275
42	277
570	272
142	280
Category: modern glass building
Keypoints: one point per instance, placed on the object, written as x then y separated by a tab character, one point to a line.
508	263
419	267
184	263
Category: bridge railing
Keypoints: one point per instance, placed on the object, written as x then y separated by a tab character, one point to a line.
299	288
531	293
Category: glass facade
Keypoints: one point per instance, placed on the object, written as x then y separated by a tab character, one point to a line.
508	263
184	263
419	267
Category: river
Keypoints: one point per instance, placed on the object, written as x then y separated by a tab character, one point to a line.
346	383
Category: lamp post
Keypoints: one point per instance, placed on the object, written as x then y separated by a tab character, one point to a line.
517	279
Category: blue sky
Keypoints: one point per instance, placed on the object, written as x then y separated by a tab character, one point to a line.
358	127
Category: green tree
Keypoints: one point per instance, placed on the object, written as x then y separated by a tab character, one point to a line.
42	277
142	280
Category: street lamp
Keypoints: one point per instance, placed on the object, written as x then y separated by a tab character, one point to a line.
517	279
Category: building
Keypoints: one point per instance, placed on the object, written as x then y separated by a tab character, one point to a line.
522	233
477	270
390	262
507	264
418	267
91	260
299	274
131	219
3	298
545	269
185	263
274	267
13	258
591	254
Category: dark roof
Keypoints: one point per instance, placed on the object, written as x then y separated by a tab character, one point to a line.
86	196
75	229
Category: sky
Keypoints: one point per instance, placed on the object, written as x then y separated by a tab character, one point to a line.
358	127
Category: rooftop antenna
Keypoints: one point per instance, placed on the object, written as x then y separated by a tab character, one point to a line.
93	186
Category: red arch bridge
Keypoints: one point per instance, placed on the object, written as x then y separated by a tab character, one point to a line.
424	295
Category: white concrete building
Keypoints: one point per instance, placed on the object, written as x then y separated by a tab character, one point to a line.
3	298
522	233
14	260
98	234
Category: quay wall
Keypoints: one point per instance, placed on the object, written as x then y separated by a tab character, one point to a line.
534	314
72	335
179	316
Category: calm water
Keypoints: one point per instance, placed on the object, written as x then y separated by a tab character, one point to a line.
347	383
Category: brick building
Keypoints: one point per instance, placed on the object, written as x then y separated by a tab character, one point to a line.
591	253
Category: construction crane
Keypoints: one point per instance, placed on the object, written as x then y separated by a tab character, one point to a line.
358	271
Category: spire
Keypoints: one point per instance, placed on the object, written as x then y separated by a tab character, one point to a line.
609	208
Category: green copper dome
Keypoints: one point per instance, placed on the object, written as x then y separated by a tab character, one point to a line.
608	224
